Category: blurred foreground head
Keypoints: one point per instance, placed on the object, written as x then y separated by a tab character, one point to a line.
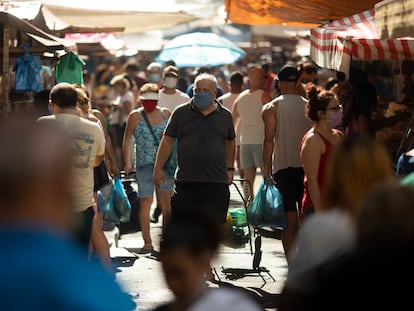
357	165
189	242
35	174
386	218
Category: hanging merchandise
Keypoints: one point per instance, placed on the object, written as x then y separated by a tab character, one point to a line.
28	69
69	69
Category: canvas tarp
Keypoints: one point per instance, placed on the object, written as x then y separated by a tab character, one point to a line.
333	45
394	18
293	13
131	21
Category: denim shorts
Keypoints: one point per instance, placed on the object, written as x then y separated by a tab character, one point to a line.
145	181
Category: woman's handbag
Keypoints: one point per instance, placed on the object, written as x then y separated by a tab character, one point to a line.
267	208
100	177
171	164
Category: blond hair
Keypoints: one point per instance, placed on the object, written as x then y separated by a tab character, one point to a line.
149	88
356	165
121	81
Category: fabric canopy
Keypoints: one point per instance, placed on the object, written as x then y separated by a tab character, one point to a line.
333	45
293	13
393	18
130	21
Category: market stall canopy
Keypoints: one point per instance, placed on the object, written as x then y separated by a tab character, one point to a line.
394	18
40	16
132	21
293	13
45	42
96	43
333	45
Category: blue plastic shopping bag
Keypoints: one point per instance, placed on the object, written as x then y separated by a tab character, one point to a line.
121	204
28	69
116	206
267	208
105	203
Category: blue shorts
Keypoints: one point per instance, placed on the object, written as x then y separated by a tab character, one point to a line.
145	181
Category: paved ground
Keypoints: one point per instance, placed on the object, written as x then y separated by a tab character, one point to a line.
142	277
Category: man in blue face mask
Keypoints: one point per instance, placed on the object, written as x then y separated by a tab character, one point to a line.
206	149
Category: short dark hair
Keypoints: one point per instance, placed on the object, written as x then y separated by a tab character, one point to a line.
196	232
132	67
64	95
318	101
236	78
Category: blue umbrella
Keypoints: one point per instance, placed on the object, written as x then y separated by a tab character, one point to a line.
201	49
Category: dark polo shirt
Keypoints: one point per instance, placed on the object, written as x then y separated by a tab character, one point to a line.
201	143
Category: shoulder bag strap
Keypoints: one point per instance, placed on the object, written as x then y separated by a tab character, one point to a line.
144	115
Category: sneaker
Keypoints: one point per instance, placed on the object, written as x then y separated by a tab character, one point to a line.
145	250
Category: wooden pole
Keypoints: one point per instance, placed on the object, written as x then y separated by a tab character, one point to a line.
5	79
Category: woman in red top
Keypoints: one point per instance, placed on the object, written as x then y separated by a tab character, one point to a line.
325	112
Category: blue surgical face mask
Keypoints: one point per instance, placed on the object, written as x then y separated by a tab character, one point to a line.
202	100
154	77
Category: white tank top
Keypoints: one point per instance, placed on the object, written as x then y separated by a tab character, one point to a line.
251	122
292	124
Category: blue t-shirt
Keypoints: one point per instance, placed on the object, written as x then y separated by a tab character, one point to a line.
42	271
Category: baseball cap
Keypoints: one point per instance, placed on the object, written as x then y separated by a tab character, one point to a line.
288	73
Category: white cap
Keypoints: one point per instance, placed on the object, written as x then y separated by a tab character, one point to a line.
149	96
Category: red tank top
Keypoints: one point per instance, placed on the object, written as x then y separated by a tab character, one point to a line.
306	200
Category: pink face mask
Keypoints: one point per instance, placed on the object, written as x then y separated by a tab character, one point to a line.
335	118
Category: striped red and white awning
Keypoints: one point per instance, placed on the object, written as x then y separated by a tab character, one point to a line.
333	44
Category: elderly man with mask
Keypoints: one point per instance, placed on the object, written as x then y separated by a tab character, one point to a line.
206	148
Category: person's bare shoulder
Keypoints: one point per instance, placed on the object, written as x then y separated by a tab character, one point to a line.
269	107
166	111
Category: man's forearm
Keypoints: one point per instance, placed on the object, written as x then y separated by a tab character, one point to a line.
267	156
231	152
164	151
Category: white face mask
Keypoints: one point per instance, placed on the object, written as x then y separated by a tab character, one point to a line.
170	82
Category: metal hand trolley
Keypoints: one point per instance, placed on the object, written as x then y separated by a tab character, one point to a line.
244	196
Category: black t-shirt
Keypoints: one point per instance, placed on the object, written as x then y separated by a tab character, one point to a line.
201	143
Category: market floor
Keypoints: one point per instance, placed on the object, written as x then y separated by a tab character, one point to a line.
141	274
